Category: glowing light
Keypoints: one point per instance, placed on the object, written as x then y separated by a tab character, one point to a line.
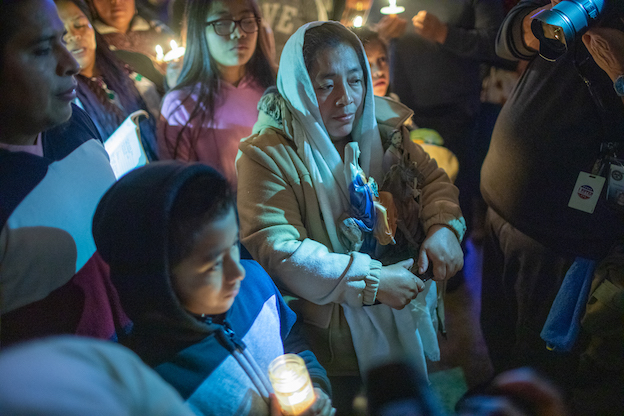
175	53
357	21
159	53
392	8
291	381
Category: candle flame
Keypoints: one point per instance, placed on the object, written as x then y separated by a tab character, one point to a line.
392	8
159	52
357	21
173	44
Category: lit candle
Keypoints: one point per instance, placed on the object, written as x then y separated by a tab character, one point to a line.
175	53
357	21
291	381
159	53
392	9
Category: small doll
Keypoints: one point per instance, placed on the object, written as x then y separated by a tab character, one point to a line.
368	215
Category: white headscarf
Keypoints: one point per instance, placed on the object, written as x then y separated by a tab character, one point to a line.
314	145
379	332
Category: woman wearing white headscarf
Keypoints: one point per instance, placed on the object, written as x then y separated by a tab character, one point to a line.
298	204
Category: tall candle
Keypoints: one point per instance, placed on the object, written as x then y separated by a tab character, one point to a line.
291	381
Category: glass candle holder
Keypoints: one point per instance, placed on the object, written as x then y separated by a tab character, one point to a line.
291	381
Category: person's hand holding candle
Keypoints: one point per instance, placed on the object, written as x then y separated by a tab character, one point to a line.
322	405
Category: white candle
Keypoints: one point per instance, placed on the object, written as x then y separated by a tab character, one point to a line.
159	53
175	53
392	8
291	381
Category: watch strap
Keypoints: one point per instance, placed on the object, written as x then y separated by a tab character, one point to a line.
618	85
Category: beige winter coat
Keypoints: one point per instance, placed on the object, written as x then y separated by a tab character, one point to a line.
282	227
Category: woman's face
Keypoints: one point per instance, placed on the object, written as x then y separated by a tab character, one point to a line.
80	36
380	71
116	13
234	50
338	81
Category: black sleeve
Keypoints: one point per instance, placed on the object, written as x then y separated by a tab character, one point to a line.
510	40
61	140
295	344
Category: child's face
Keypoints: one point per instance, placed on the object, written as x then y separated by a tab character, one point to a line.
236	49
380	71
208	279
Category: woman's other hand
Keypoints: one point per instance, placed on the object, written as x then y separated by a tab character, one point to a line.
397	285
442	249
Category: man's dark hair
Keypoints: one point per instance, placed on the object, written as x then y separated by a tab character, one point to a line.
8	24
201	200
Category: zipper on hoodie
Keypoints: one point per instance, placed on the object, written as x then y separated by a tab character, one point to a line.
235	345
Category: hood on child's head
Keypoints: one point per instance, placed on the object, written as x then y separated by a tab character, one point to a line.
131	231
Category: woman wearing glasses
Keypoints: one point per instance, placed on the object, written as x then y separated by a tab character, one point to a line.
227	66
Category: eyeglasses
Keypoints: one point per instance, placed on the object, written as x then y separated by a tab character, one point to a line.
225	27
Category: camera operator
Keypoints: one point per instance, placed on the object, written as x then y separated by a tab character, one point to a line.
544	147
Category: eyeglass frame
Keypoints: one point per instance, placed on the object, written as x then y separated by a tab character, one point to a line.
237	23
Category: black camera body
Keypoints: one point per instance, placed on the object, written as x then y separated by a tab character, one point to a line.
558	28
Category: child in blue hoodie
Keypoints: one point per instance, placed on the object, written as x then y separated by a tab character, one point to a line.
206	321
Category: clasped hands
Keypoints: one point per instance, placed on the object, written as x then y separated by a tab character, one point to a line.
425	24
398	286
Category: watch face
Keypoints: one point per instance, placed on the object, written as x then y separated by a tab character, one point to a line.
619	85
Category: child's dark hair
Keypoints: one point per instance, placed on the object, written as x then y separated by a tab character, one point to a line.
201	200
330	35
367	35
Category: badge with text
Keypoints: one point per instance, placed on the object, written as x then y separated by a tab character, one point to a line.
586	192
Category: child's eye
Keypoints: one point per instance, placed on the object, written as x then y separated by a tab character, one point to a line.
326	87
216	266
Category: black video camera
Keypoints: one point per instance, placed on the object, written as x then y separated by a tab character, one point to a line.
558	28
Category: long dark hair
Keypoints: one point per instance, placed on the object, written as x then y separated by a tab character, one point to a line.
199	68
117	78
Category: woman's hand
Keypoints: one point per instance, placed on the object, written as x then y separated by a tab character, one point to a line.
321	407
397	285
441	248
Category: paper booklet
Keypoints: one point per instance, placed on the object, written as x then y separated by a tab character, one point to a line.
124	146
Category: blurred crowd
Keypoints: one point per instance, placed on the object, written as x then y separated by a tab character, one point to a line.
312	172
